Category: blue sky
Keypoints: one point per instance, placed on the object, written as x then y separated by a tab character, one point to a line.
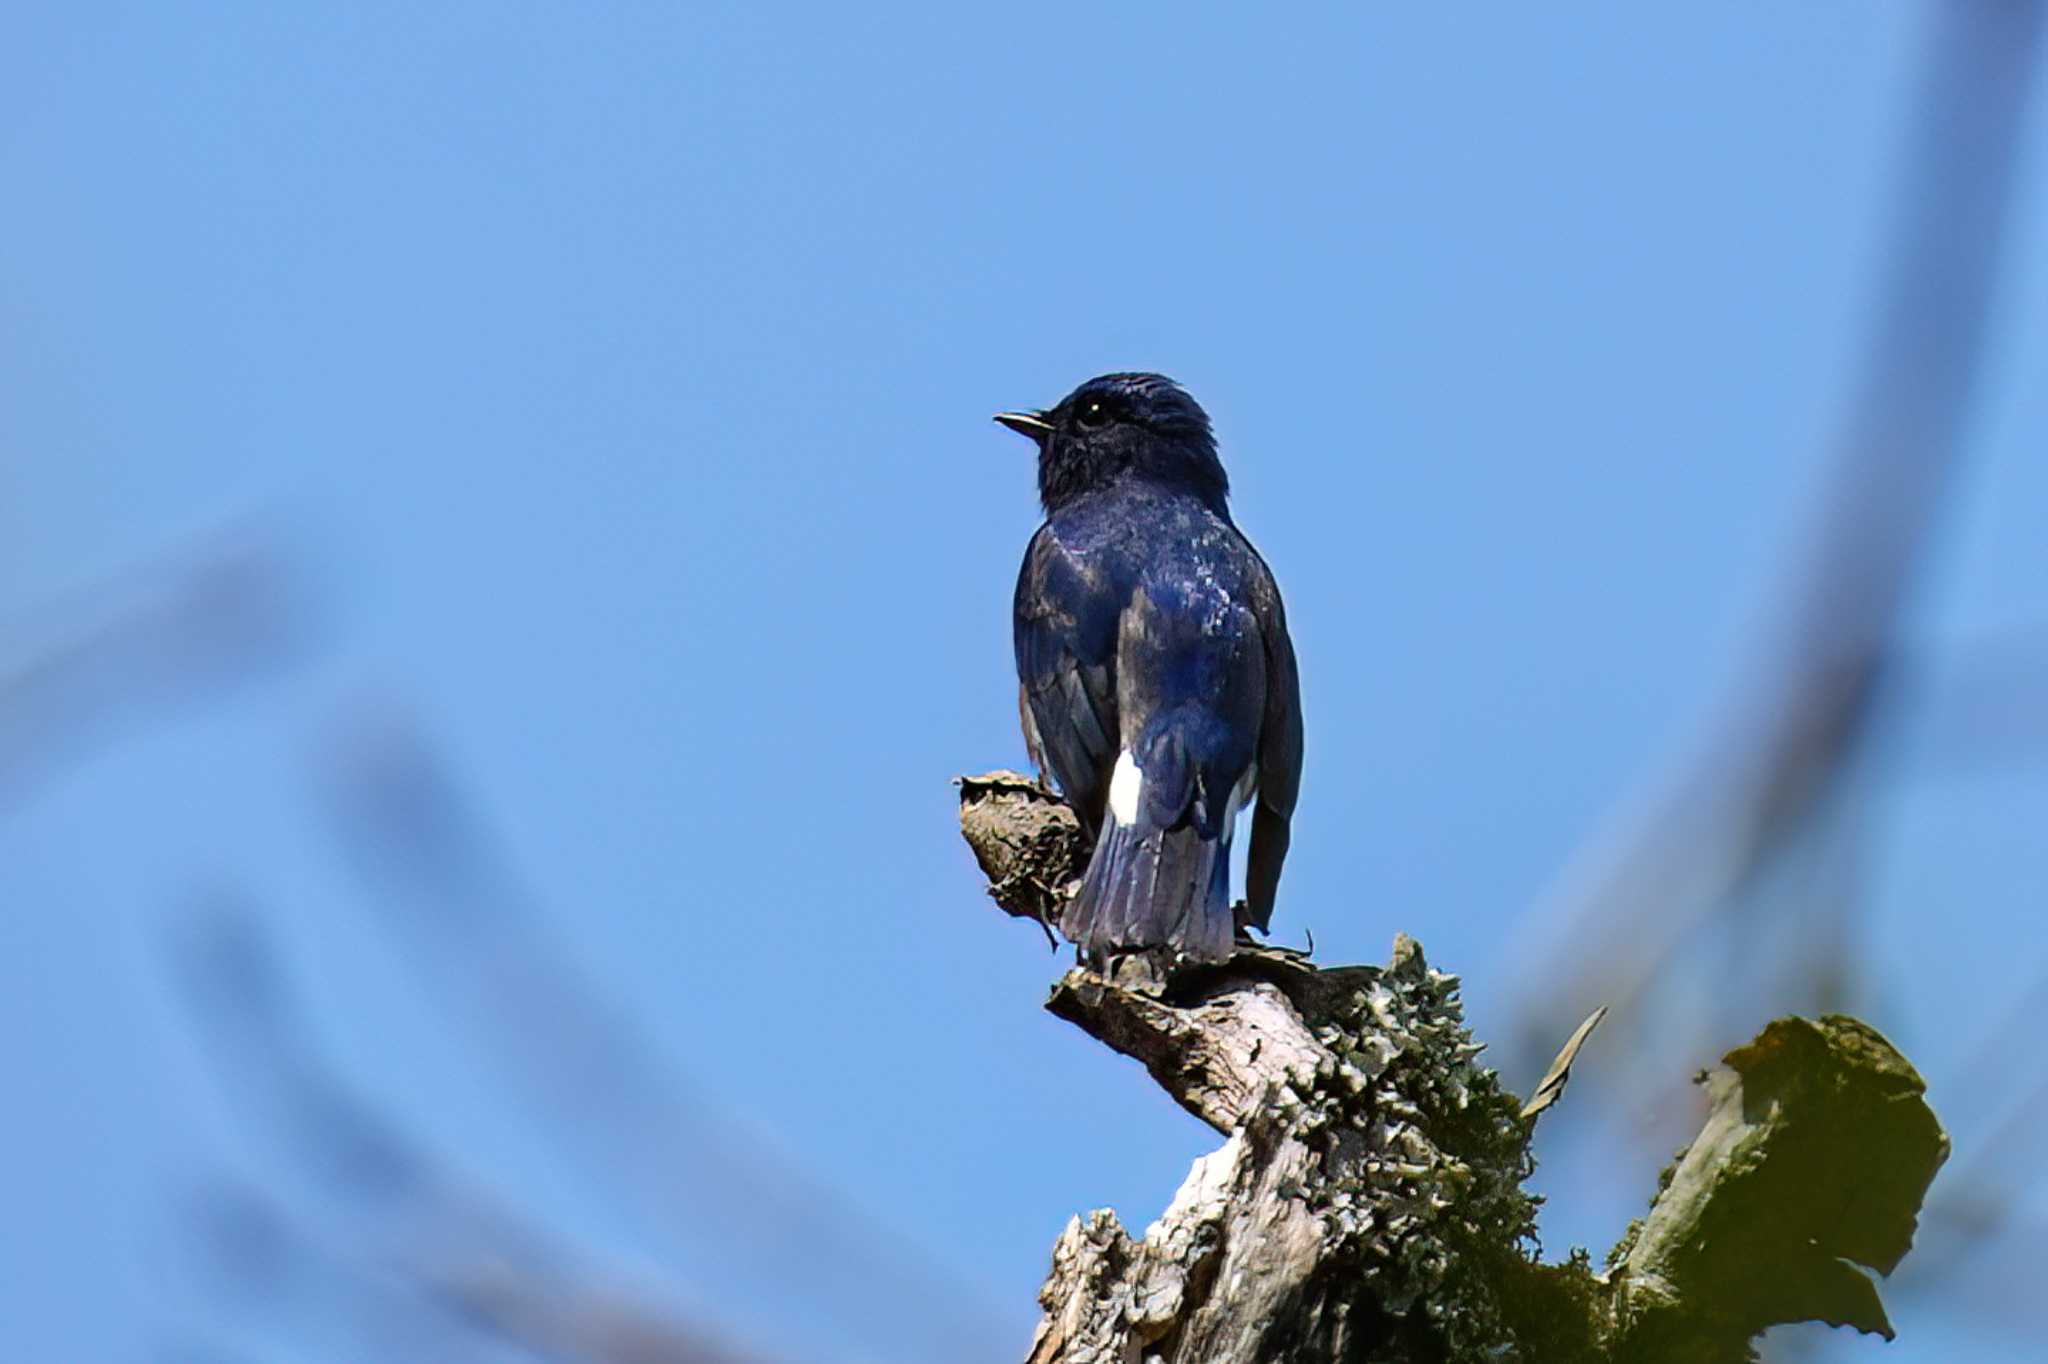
622	374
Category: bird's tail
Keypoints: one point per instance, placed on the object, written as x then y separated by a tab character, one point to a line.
1153	887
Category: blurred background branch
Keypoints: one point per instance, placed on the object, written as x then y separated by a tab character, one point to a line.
1782	772
1755	847
409	1256
721	1203
181	630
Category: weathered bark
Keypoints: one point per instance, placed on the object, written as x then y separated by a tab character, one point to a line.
1023	834
1367	1202
1813	1160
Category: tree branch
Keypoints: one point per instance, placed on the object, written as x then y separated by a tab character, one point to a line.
1367	1204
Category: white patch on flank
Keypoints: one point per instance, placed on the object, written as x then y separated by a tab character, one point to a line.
1240	794
1125	786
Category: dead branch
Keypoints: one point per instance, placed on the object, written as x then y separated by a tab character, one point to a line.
1367	1203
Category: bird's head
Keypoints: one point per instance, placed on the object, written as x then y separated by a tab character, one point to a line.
1123	426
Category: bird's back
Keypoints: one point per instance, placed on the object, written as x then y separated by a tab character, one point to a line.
1145	677
1131	575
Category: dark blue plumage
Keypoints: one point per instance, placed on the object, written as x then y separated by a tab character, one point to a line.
1157	679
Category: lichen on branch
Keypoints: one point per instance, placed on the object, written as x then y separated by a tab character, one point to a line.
1367	1202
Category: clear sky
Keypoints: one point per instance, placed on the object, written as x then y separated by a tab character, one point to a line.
623	374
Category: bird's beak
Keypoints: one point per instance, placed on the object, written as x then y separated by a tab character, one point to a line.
1032	424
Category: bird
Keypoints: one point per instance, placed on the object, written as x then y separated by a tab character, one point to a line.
1156	677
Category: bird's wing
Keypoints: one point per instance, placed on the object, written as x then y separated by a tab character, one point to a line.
1279	753
1066	632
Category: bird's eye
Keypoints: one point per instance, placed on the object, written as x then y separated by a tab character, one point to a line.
1093	414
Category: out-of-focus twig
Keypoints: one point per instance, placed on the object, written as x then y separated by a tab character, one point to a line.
410	1231
198	622
276	1270
1778	767
717	1203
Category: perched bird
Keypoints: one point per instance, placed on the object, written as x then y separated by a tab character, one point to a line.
1157	679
